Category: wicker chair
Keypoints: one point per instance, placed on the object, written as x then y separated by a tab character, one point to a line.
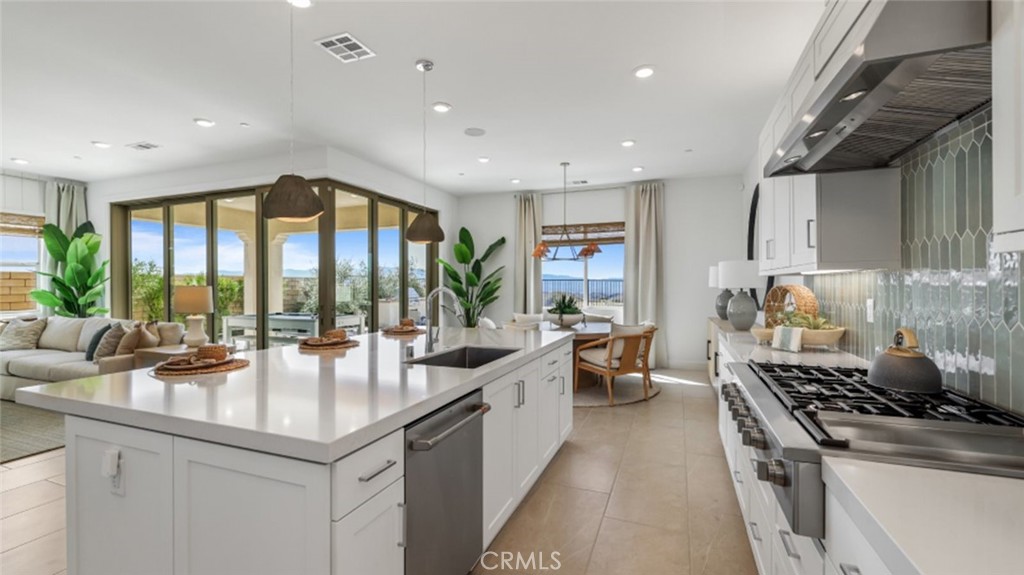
635	352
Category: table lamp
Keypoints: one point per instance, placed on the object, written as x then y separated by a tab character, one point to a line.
722	302
198	301
743	275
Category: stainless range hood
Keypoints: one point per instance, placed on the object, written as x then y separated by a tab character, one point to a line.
909	68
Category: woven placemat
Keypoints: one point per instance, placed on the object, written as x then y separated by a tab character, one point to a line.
231	365
399	333
341	344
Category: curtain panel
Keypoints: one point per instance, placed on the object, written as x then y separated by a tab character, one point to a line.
528	290
63	206
644	283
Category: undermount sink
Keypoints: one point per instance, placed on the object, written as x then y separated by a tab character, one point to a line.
465	357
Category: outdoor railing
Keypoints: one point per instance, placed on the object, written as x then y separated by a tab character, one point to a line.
601	291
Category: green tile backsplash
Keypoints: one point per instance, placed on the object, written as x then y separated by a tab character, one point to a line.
963	300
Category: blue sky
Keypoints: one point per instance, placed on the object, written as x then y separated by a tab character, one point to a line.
18	249
300	251
608	264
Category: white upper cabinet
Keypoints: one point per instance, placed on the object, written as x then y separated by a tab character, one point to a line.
1008	124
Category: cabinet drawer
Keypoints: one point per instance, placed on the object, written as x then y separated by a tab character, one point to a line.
846	545
365	473
804	555
549	362
371	539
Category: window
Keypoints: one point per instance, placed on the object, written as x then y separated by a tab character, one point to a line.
595	281
20	250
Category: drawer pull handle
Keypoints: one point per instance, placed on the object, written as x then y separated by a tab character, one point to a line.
787	542
553	362
478	410
849	569
369	476
553	378
402	525
754	532
562	391
736	475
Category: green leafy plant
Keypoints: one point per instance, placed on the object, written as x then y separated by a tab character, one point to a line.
475	291
78	283
804	320
564	304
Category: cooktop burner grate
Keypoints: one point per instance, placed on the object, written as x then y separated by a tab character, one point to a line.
806	390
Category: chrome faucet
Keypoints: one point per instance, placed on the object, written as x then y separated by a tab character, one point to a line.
437	292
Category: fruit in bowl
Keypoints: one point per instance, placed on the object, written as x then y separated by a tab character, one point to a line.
564	311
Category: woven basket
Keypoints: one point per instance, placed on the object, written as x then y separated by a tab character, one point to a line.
801	298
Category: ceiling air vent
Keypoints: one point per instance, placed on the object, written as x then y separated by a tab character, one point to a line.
142	146
346	48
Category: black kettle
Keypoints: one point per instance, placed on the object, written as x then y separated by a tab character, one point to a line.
902	367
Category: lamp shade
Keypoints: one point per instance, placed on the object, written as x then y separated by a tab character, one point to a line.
292	199
193	299
713	277
739	274
424	229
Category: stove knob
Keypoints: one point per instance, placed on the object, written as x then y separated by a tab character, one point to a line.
740	410
773	471
744	423
754	437
729	390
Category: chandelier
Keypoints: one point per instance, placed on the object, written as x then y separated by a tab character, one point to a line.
543	251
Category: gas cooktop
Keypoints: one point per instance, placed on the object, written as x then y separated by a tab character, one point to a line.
806	391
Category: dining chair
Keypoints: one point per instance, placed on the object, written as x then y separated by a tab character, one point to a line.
619	354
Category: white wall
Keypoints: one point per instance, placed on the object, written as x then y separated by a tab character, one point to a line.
489	217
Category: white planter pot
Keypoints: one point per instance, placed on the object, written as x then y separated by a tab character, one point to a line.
567	320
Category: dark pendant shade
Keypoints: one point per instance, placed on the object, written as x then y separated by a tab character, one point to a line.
424	229
292	199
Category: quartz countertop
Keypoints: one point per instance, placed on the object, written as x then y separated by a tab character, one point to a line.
930	521
742	347
315	406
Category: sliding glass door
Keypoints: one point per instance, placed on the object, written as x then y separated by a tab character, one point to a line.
147	287
234	320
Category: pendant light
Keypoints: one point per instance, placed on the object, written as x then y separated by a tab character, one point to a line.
291	198
424	229
542	251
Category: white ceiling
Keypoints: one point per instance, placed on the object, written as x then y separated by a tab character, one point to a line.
550	82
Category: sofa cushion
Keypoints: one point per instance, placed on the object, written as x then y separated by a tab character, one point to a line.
61	333
619	330
73	370
597	356
90	326
94	343
40	366
7	356
20	334
169	332
110	341
137	338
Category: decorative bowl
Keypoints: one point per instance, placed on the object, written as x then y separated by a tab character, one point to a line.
565	320
763	335
822	337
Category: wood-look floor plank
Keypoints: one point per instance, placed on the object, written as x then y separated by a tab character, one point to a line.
46	555
20	476
34	458
28	496
29	525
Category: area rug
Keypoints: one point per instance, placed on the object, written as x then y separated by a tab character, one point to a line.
26	430
628	389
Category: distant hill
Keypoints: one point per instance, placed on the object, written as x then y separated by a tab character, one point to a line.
560	277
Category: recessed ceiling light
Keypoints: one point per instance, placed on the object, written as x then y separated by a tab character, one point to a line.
643	71
204	123
515	180
244	125
817	134
628	143
77	157
853	96
638	169
300	3
442	107
101	145
19	161
475	132
688	150
462	173
483	159
792	159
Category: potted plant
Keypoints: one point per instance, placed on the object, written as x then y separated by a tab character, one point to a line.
818	330
475	290
78	284
565	311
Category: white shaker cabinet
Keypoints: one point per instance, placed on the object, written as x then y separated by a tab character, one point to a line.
526	429
565	390
371	539
548	406
239	511
499	453
1008	124
120	515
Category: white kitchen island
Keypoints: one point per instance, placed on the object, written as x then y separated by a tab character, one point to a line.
294	464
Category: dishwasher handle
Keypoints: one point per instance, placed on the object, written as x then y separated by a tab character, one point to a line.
427	444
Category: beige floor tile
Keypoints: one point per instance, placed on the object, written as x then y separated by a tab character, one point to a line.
573	468
59	480
702	437
28	496
652	494
709	486
44	556
655	443
32	524
45	469
34	458
704	409
553	518
719	545
625	548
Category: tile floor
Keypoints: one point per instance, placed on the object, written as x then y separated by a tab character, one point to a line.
639	488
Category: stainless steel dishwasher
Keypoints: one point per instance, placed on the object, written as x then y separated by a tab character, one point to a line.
444	489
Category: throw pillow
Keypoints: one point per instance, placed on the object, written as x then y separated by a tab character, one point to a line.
3	324
170	333
21	334
110	341
61	333
528	317
618	329
90	352
137	338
